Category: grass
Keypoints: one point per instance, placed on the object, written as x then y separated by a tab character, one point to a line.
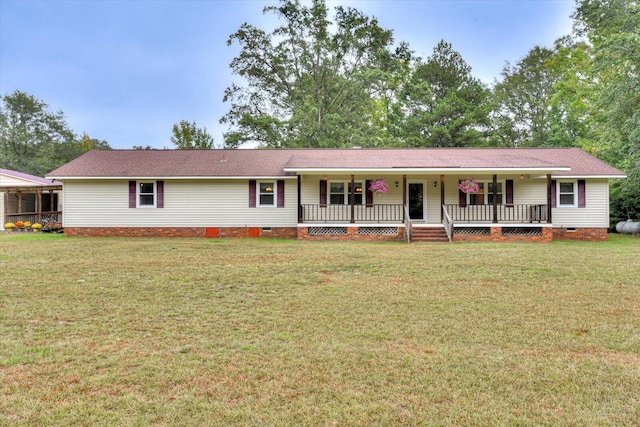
110	331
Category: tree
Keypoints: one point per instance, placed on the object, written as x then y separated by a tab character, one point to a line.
307	85
570	117
188	136
613	29
89	143
32	138
523	99
445	106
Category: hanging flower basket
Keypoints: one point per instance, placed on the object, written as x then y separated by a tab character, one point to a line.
378	186
469	185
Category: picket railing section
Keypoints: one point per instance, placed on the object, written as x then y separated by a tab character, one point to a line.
500	213
376	213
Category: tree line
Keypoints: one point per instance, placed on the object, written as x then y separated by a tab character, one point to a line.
316	81
340	80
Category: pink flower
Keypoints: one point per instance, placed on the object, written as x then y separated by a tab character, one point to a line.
469	186
378	186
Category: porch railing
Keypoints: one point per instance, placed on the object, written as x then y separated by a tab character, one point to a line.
503	213
447	222
33	217
407	223
376	213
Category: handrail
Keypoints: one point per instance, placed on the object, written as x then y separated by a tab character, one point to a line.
514	213
374	213
42	217
407	223
448	223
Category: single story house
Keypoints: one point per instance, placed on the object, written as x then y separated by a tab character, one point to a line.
25	197
422	194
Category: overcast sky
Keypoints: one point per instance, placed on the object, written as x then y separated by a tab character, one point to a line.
125	71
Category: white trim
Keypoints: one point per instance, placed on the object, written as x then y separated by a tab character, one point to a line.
487	193
346	193
588	176
575	193
161	178
155	194
397	170
424	184
274	185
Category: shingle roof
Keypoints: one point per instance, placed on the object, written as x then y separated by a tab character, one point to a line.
176	163
262	163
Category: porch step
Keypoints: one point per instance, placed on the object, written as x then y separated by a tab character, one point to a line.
429	235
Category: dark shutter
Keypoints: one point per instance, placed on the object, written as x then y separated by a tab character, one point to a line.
582	193
323	192
160	190
509	190
252	193
368	194
132	194
281	193
553	193
462	198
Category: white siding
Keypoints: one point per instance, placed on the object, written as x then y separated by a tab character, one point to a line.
187	203
224	203
596	212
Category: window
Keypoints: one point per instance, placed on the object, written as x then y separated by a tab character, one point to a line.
340	193
267	194
147	194
498	193
485	197
567	194
336	193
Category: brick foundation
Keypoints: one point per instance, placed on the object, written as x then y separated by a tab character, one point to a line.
302	233
352	235
210	232
582	234
496	235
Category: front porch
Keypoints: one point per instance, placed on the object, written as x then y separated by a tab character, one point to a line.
521	222
397	214
349	202
38	204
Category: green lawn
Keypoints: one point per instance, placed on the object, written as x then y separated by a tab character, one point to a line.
106	331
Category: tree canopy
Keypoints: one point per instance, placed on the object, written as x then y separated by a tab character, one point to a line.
444	105
36	140
307	84
188	136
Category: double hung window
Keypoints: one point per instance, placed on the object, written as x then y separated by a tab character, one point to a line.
567	194
147	194
340	193
484	196
267	194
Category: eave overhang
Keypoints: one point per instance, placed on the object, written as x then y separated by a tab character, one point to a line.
588	176
438	170
67	178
